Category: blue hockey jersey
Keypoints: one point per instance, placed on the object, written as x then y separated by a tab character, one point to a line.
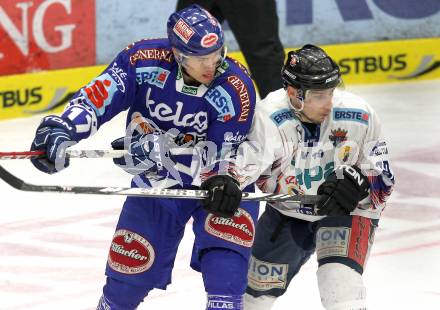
146	79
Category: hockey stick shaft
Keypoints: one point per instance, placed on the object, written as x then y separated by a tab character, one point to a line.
19	184
69	153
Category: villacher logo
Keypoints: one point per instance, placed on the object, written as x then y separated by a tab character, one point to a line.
130	253
239	229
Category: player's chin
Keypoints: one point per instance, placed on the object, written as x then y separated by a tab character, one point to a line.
206	78
320	119
324	116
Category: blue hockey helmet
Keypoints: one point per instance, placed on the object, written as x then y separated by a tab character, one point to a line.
194	31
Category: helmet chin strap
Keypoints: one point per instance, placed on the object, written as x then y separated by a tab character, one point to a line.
308	119
300	97
301	101
299	111
189	80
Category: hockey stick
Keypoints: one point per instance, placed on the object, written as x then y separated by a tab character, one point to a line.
146	192
69	153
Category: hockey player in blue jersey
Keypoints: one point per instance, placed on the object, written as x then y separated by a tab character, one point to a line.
180	91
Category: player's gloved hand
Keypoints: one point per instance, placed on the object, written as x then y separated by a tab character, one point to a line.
224	195
54	135
146	153
342	191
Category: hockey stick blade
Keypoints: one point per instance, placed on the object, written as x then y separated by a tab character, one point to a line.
69	153
19	184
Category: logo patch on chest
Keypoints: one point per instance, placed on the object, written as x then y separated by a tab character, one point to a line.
279	117
176	113
355	115
152	75
219	98
338	136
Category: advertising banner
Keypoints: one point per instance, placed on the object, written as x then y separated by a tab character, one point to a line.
361	63
347	21
44	92
300	22
46	34
383	62
37	35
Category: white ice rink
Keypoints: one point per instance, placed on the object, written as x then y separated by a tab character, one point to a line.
53	247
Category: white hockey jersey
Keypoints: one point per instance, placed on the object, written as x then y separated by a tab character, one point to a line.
283	156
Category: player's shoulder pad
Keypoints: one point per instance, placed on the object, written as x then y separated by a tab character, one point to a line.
272	119
275	108
350	107
232	93
149	52
236	66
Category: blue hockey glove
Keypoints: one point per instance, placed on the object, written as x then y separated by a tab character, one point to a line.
53	136
224	195
146	153
340	196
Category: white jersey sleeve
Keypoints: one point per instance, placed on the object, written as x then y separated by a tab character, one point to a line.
282	156
374	162
265	147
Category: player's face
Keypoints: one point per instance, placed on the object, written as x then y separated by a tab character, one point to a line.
318	104
203	68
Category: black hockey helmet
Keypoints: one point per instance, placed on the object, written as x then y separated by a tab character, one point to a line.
310	68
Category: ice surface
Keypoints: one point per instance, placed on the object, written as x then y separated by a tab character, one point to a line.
53	247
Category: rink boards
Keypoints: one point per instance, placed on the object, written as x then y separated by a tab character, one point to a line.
361	63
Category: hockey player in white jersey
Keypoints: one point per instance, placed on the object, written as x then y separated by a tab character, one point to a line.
311	137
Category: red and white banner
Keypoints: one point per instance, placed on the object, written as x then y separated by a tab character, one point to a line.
46	34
